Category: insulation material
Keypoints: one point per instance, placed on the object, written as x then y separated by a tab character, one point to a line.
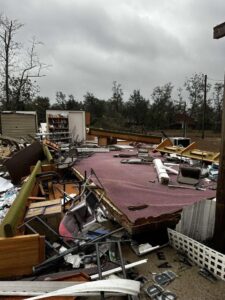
6	200
9	225
5	184
200	254
161	172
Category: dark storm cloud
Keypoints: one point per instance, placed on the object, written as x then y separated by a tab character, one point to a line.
139	43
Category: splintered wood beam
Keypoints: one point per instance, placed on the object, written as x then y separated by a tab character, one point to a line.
129	136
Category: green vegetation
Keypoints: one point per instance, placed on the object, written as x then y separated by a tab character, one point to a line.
20	67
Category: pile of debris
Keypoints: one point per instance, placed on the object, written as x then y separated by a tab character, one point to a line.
69	213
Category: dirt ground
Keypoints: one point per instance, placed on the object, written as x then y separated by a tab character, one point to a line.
188	285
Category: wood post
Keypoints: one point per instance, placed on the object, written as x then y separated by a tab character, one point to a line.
219	230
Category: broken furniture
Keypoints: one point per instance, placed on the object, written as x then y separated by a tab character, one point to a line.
29	249
78	217
20	163
49	211
20	253
63	158
8	228
45	182
189	175
166	146
190	151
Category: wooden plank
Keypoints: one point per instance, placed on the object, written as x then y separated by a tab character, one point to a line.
32	198
45	203
48	167
35	189
42	189
198	152
70	188
50	212
19	254
44	208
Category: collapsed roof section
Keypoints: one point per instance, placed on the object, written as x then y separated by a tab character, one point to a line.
133	194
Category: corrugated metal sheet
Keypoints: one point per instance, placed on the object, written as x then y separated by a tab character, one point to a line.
18	125
198	220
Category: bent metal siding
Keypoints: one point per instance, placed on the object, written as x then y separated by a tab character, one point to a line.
18	125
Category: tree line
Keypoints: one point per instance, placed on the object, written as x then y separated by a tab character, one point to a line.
20	67
160	111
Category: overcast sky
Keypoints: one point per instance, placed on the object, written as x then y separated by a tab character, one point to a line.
138	43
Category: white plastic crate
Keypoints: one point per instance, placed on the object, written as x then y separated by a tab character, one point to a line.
200	254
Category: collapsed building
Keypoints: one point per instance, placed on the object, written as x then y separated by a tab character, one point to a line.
73	208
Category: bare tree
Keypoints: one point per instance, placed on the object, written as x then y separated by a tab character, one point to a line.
17	67
8	49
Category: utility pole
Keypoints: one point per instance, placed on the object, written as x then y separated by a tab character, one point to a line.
184	121
204	107
219	229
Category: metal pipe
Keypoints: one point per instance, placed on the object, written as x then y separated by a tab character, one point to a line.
99	267
45	264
